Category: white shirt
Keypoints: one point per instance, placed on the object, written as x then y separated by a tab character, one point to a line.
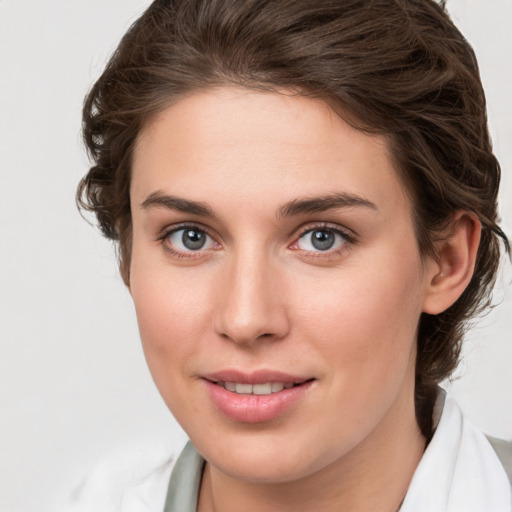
459	472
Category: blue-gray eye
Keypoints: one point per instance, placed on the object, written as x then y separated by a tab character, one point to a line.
321	240
190	239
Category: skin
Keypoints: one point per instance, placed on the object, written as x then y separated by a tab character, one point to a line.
259	295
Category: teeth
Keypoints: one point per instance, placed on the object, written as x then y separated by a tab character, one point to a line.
256	389
262	389
243	388
230	386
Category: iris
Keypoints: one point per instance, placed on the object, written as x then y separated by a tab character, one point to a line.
322	240
193	239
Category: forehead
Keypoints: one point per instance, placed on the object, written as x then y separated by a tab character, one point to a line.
238	146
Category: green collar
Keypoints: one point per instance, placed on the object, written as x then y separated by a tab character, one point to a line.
185	481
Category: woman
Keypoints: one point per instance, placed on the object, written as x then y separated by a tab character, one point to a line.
304	198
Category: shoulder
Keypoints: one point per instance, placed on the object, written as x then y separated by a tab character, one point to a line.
134	479
459	469
503	450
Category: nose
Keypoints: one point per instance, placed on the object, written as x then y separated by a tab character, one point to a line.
250	302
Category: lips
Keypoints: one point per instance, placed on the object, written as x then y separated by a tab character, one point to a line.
255	397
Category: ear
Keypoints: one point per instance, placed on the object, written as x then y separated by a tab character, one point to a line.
452	270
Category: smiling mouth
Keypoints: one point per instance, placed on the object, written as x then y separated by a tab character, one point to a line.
266	388
255	398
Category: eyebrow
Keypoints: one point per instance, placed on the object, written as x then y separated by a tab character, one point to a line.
324	203
160	200
296	207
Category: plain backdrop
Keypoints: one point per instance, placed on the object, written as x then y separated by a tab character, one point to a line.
74	384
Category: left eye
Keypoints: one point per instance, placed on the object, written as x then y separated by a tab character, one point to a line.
190	239
321	240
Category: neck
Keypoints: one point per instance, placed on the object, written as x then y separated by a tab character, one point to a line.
374	475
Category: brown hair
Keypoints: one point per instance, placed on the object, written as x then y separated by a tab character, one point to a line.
395	67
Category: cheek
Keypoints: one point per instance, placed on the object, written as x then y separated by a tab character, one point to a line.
366	336
364	319
173	315
166	311
171	326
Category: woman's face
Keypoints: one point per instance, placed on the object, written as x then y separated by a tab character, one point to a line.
277	281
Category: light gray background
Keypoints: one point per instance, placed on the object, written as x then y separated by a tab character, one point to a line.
74	385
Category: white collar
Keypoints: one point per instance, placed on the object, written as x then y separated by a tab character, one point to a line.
459	471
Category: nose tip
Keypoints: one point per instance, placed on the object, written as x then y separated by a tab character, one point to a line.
250	307
247	332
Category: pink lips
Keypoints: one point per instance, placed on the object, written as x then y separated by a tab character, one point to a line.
250	408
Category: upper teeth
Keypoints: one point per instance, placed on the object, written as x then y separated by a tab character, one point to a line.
256	389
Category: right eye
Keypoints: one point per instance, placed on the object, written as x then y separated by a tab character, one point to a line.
189	239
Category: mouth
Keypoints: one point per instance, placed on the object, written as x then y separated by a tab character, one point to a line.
256	397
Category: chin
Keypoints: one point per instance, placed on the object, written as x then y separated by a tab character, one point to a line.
256	459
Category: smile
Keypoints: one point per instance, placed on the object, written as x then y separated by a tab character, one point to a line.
266	388
256	397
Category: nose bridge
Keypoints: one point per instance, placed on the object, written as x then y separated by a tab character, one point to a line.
252	304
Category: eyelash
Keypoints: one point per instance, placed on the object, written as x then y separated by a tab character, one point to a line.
348	236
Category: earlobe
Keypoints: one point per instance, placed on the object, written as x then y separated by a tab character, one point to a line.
451	272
